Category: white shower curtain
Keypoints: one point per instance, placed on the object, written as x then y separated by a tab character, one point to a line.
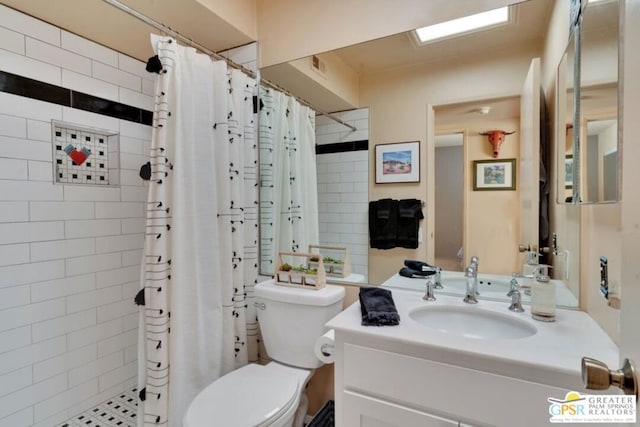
197	322
289	191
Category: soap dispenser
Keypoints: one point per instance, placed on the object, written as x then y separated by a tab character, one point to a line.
531	267
543	296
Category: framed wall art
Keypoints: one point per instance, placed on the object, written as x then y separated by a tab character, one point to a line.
494	174
397	162
568	171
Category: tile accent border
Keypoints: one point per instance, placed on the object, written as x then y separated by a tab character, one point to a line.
34	89
342	147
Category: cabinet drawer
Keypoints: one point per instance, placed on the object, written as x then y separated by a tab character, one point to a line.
365	411
463	394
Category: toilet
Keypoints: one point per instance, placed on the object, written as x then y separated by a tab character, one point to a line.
291	320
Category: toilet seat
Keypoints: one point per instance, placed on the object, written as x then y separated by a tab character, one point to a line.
253	395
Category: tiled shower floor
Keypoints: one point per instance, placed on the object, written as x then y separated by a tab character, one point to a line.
119	411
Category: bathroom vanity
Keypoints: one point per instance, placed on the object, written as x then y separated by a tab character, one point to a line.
454	364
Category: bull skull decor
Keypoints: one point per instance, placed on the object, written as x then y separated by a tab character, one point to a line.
496	138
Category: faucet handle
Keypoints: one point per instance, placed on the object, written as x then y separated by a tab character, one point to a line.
438	284
513	285
429	296
516	302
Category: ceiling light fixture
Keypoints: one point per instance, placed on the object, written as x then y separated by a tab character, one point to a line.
463	25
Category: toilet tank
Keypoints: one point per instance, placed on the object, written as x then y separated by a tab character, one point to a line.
292	319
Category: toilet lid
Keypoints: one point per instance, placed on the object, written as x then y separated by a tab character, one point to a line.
250	396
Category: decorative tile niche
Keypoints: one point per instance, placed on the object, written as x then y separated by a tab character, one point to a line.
84	155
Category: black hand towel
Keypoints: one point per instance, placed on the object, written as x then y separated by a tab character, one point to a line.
409	216
383	219
408	272
384	208
418	265
377	307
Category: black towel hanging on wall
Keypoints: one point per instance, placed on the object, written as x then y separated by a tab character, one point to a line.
383	220
394	223
409	216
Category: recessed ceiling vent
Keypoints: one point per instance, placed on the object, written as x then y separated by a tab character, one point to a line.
318	65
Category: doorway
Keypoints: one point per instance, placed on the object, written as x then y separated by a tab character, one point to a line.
449	201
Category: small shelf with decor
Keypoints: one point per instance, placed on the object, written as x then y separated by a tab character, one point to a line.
334	258
295	269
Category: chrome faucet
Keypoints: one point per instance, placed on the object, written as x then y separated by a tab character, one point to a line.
514	293
438	279
474	263
513	284
516	301
429	296
472	285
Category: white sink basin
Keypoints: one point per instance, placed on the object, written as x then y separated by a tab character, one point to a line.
472	322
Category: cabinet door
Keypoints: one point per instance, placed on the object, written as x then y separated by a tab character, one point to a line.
364	411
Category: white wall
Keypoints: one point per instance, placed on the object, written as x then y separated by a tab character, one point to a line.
343	187
70	254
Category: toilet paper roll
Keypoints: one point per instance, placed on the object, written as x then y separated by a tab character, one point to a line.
325	347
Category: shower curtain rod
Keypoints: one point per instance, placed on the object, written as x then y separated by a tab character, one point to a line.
308	104
161	27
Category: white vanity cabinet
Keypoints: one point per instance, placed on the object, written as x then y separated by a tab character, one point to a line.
376	388
409	375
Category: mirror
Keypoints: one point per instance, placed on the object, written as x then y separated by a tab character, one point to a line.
396	78
593	137
486	217
334	183
565	115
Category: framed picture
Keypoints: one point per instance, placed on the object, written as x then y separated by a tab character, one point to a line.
568	171
494	174
398	162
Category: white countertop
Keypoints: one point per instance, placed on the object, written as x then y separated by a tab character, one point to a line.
551	355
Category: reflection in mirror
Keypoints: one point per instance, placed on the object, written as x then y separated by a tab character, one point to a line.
449	206
601	162
596	128
488	220
288	190
599	102
565	124
342	158
323	182
394	76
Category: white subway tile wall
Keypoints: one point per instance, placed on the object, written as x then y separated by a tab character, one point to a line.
343	187
69	255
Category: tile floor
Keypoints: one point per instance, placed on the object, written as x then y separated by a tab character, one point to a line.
119	411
